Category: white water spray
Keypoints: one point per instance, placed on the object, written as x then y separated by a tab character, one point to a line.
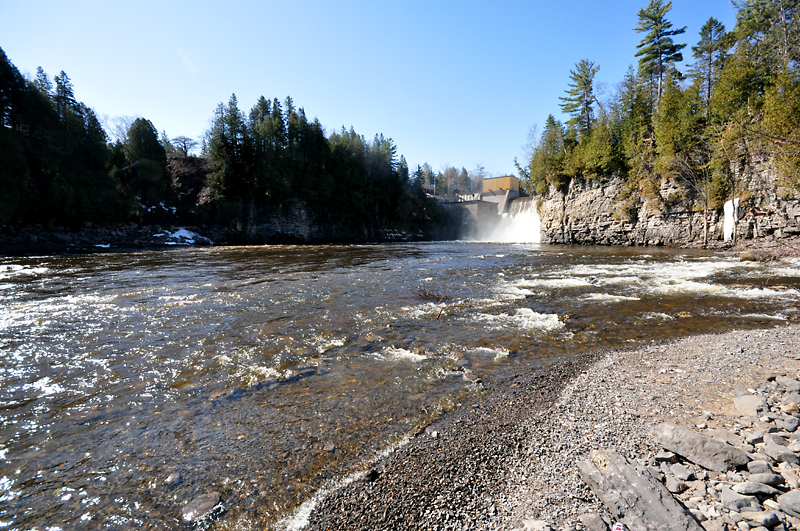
520	225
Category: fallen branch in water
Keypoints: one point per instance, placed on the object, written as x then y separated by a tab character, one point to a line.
430	293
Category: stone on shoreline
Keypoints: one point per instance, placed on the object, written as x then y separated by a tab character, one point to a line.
736	502
752	487
751	405
781	454
697	449
633	495
790	503
762	518
593	522
759	467
767	478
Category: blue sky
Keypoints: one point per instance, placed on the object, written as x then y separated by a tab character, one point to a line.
453	83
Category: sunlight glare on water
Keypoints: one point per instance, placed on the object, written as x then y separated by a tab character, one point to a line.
269	374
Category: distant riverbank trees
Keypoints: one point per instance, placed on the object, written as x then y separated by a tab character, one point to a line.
54	153
60	168
738	102
276	154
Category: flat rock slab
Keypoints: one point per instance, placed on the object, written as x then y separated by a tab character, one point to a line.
726	436
792	397
751	405
759	467
763	518
781	454
749	488
633	495
790	384
790	503
708	454
593	522
769	478
736	502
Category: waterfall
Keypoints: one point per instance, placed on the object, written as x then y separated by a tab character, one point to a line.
520	225
731	210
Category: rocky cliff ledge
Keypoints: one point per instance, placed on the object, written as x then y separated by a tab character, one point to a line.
595	211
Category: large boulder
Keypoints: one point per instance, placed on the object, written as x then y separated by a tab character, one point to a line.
697	449
633	495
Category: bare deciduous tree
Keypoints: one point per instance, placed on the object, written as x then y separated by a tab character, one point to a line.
118	127
696	174
184	145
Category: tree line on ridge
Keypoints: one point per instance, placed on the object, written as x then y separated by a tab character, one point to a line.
61	168
738	102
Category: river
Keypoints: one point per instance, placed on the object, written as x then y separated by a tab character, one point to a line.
267	373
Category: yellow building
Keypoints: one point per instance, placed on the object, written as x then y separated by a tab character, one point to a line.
499	184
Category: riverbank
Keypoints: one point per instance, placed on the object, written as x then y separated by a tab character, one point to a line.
94	239
512	457
31	241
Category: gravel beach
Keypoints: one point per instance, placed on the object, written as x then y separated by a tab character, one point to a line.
510	458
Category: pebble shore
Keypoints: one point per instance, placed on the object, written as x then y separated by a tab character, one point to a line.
510	460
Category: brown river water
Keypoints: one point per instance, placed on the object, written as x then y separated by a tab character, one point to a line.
268	374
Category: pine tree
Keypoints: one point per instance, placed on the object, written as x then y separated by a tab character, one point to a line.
710	53
547	164
464	182
229	150
42	82
657	50
770	29
64	97
580	97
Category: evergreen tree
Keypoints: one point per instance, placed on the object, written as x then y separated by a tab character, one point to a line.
402	169
580	97
547	165
42	82
166	143
228	152
710	53
464	182
770	30
147	161
657	50
419	179
633	110
143	143
64	97
781	127
599	154
677	123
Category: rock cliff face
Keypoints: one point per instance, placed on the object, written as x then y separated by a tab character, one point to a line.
592	211
293	224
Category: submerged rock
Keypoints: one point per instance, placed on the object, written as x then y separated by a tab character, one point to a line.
201	507
752	255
